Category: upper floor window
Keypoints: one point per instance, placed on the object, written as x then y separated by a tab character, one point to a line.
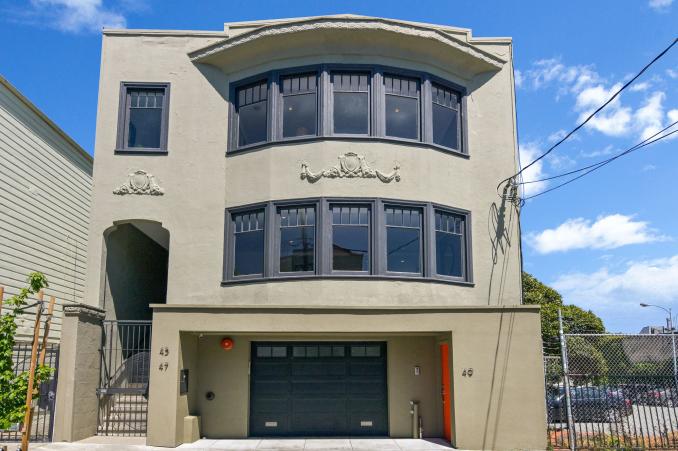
144	110
342	101
402	107
445	117
252	109
351	112
299	105
347	237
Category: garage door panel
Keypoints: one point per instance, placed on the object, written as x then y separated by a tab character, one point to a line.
321	389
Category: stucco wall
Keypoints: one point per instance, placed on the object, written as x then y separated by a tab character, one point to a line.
200	181
501	406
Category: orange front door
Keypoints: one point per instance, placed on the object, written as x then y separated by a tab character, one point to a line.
447	411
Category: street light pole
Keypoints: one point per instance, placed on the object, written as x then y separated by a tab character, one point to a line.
669	322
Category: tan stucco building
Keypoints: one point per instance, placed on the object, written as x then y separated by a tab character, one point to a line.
307	211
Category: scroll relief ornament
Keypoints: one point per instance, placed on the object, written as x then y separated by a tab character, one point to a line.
351	165
139	182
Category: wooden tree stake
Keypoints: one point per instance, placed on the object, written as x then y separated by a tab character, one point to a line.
2	298
26	433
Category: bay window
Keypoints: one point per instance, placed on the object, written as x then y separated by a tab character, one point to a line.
334	101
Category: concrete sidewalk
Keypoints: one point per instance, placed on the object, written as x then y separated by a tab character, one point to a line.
314	444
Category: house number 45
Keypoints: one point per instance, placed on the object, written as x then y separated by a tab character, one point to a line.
468	372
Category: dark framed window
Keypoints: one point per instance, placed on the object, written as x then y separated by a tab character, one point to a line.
446	118
144	114
351	103
297	239
248	243
401	107
449	244
403	239
252	113
341	101
346	237
350	238
299	105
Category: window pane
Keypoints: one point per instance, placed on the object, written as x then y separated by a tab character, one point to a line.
351	113
249	253
279	351
252	123
445	126
297	249
401	117
299	115
350	248
402	248
448	254
144	127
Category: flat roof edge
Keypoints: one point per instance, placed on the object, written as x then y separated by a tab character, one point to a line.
174	33
328	308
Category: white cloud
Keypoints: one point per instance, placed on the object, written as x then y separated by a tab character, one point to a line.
649	167
607	232
544	72
528	152
660	5
557	136
614	120
518	78
672	73
650	117
643	86
76	16
651	281
607	150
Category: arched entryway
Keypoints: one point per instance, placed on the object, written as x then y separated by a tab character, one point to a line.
135	276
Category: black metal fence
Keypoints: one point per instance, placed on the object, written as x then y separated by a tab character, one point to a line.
610	391
43	412
123	387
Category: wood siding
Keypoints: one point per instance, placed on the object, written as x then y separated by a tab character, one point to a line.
45	190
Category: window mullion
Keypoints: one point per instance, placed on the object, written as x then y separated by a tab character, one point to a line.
324	102
274	108
378	104
379	238
272	242
428	237
427	111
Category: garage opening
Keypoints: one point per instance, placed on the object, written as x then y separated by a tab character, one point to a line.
318	389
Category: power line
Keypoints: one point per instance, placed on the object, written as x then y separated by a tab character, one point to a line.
636	147
614	96
607	160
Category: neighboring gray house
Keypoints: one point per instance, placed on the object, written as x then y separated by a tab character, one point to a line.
305	212
45	190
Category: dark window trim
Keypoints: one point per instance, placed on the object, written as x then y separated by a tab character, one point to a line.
325	98
233	124
277	135
422	242
323	250
123	119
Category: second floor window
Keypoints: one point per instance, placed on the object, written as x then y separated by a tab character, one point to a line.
144	114
249	243
449	244
300	105
350	238
252	106
297	239
402	107
403	239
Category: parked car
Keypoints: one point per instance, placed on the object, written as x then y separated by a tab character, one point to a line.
667	397
588	404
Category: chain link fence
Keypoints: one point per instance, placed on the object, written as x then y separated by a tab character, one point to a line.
612	391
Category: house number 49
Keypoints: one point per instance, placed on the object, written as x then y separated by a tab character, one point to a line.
468	372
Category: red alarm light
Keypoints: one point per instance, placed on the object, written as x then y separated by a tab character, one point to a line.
226	344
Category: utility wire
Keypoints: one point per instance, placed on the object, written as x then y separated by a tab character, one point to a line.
636	147
614	96
607	160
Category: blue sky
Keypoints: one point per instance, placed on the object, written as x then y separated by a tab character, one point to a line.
606	242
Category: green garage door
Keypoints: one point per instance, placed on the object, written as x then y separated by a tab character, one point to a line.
318	389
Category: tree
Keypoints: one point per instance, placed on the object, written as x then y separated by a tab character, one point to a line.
13	388
575	319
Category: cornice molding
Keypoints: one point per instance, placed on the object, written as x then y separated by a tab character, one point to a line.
348	24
